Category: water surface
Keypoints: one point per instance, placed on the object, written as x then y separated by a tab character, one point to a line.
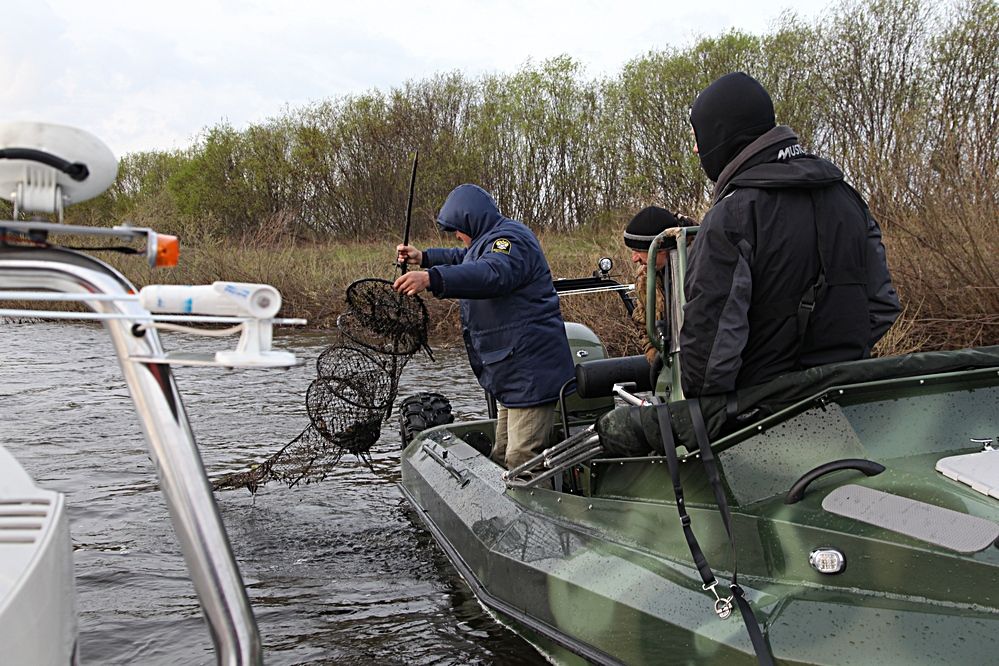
338	571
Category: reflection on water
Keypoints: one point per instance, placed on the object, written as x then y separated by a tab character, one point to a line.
336	571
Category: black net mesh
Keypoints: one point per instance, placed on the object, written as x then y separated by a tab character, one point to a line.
357	379
379	319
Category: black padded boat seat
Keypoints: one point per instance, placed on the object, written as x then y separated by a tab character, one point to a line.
596	378
946	528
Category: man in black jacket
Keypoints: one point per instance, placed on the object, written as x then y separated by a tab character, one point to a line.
787	270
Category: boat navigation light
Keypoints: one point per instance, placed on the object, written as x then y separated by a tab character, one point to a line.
827	561
162	250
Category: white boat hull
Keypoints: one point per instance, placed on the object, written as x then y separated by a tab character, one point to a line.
37	596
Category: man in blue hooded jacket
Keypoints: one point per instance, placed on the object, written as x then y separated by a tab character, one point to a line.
510	315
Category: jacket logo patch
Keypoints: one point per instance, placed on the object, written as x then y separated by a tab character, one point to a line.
501	245
790	151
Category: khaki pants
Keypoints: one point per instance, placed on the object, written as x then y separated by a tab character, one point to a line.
521	433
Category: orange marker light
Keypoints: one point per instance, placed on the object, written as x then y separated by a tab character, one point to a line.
167	250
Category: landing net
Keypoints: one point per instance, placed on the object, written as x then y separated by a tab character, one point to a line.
357	379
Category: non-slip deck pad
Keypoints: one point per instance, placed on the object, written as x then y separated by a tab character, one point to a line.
949	529
978	470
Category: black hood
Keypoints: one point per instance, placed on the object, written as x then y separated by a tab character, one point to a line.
727	116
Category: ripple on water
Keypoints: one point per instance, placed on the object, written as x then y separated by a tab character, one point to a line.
336	571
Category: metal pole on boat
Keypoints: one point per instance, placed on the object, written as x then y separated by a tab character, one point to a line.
409	206
172	446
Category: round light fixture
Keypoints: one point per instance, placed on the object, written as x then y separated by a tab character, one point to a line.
827	561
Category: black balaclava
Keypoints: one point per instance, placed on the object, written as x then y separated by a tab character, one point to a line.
727	116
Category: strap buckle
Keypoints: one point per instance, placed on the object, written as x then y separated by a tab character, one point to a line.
723	607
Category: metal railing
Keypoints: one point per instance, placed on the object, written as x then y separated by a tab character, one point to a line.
576	449
171	442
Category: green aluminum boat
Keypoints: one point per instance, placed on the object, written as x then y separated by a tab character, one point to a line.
856	504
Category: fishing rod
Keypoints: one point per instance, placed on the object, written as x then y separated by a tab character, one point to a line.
409	207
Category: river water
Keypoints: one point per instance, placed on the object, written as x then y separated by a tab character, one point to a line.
338	571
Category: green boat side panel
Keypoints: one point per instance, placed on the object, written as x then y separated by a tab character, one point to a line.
769	463
604	571
634	606
978	470
616	574
900	424
817	629
879	563
930	419
950	529
761	401
648	479
631	604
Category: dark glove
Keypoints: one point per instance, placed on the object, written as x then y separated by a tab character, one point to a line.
655	368
624	432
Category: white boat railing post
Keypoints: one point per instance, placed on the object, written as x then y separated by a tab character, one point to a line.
171	442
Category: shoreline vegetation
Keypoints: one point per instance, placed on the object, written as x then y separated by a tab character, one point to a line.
901	94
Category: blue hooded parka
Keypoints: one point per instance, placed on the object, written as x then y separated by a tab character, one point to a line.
510	315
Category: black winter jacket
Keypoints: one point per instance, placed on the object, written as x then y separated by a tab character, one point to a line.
756	255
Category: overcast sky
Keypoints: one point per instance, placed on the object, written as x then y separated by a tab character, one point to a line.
150	75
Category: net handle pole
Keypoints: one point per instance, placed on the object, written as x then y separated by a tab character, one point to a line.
409	207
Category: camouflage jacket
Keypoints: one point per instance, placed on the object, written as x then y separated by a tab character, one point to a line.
638	314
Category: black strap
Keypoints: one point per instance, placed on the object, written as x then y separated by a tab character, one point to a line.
814	292
760	645
669	446
817	290
807	304
78	171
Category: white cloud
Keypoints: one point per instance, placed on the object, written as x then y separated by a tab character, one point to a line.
152	75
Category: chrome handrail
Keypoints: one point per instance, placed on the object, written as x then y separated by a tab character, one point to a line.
171	442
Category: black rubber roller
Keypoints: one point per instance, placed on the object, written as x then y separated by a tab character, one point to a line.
595	379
